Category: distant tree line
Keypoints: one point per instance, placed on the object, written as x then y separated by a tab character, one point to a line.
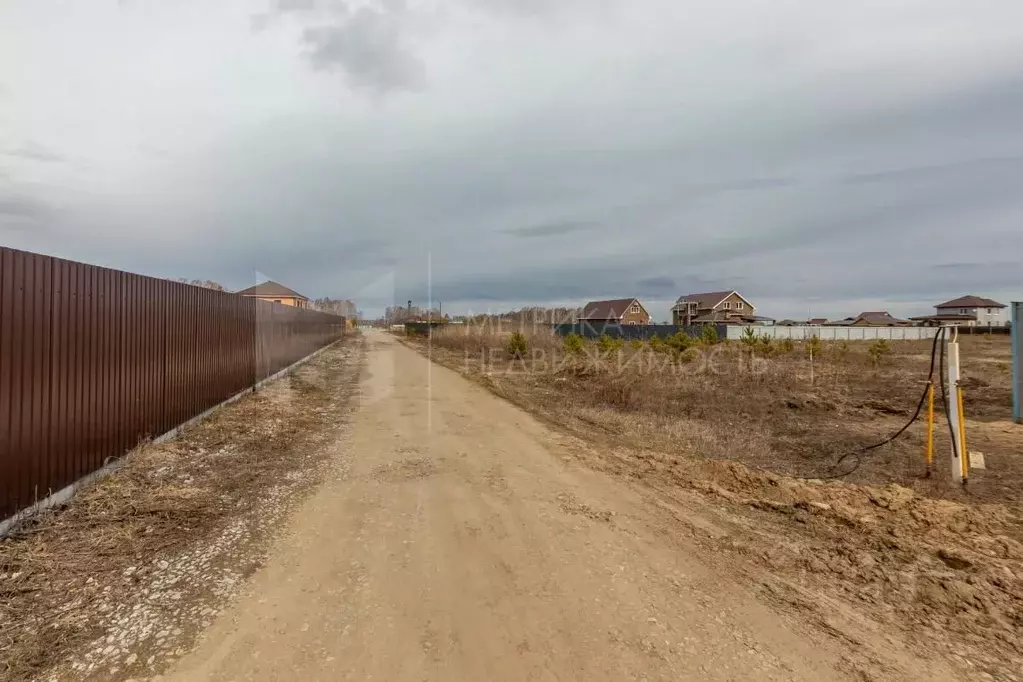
401	314
342	307
532	316
204	283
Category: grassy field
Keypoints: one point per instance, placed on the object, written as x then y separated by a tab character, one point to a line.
775	407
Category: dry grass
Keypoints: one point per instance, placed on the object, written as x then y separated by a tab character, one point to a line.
490	338
771	409
56	569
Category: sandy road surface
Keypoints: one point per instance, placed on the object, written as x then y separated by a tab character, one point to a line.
458	542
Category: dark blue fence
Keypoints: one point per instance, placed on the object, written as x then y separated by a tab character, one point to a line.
594	330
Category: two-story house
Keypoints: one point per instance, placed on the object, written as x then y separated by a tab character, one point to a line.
713	307
968	311
984	311
624	311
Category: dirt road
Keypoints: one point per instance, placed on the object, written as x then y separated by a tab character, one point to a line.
458	540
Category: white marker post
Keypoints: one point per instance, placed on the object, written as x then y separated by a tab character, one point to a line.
952	403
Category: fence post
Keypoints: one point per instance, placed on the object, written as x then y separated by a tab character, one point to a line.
1017	358
952	404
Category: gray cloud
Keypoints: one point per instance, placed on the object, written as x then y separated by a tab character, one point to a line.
368	48
32	151
23	214
22	207
742	185
550	229
295	5
563	151
657	284
1007	164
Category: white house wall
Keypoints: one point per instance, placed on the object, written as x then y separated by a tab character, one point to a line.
802	332
998	317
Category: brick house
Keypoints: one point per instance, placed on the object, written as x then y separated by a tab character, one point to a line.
624	311
713	307
276	293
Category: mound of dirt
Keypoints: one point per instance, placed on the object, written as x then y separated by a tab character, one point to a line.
951	570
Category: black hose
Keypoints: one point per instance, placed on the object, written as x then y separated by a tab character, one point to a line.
858	453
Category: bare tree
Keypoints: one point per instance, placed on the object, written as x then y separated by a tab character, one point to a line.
204	283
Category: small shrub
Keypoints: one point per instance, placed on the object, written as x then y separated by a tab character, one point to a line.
709	335
609	344
878	351
765	345
517	345
637	344
786	346
681	342
657	345
749	338
841	349
813	346
688	356
574	344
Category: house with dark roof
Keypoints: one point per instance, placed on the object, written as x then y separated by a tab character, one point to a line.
879	318
276	293
967	311
713	307
625	311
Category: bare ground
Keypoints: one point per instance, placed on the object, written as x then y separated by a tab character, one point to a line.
447	534
462	539
918	560
121	580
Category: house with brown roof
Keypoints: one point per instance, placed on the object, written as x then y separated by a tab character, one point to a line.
713	307
624	311
967	311
880	318
276	293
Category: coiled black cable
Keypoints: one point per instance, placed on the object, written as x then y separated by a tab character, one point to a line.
859	453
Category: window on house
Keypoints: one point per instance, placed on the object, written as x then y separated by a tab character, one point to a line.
738	305
277	300
963	311
988	311
728	305
634	308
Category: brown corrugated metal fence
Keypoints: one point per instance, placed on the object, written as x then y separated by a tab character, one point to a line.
93	361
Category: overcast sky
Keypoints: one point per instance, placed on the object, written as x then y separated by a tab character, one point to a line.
819	156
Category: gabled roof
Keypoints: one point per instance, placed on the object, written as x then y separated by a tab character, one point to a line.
711	299
271	289
607	310
817	320
970	302
879	317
